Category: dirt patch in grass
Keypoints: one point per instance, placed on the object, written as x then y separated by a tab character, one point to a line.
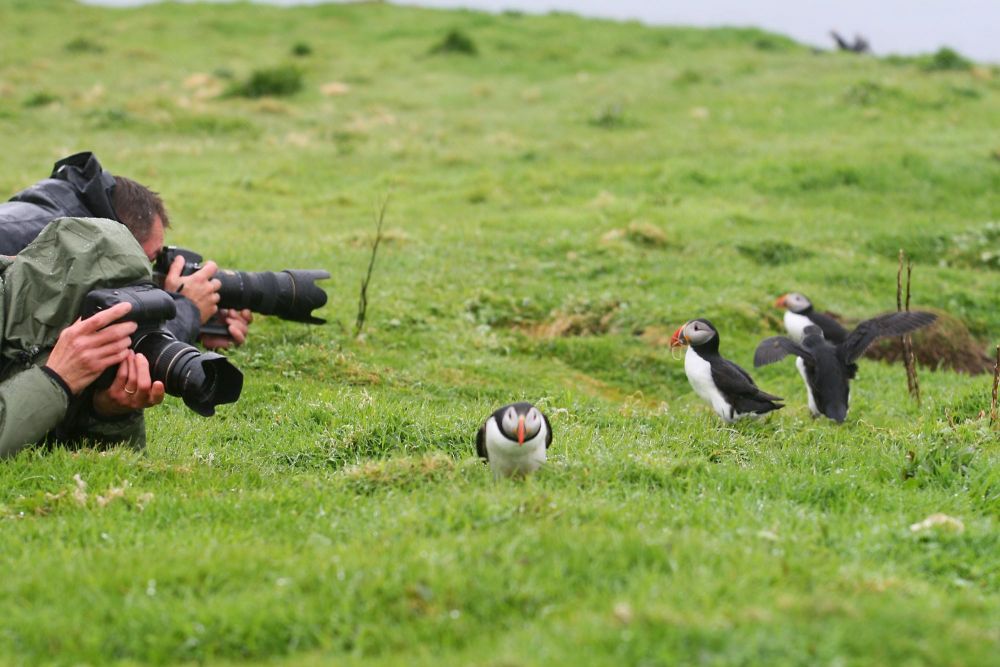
334	88
204	86
581	318
638	233
363	123
655	335
945	345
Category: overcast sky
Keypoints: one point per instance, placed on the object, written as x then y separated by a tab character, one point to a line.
892	26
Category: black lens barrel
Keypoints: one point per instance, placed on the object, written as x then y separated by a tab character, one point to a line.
291	294
203	380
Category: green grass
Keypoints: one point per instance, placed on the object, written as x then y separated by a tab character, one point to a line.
629	177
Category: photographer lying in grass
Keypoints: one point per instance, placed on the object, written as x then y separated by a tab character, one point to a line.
80	187
50	359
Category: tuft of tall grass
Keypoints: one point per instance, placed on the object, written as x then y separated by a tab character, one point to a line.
280	81
455	42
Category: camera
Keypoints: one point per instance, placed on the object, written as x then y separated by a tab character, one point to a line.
291	294
202	379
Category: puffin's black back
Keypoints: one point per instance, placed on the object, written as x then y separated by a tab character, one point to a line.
828	377
833	330
739	388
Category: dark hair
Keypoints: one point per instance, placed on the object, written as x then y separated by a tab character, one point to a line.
137	207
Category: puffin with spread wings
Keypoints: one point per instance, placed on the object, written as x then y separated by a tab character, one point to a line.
828	368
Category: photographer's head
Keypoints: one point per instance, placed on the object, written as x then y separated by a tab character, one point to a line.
142	211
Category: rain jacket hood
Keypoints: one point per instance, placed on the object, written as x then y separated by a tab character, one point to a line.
78	187
41	291
43	287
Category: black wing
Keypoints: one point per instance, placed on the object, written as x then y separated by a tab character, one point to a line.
833	330
777	348
889	324
548	429
734	381
481	442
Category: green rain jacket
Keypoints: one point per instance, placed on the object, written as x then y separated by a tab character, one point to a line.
41	291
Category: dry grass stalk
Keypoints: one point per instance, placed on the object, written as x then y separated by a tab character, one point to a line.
912	383
899	283
911	366
363	298
994	407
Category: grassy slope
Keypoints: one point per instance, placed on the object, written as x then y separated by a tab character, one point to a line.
335	511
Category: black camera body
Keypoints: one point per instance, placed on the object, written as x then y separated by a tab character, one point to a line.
291	294
151	306
203	380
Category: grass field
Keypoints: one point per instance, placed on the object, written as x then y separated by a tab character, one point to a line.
559	202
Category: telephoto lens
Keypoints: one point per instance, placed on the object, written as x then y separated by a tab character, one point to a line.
291	294
202	379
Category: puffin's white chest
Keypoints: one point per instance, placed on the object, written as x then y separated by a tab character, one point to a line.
508	458
801	365
795	325
699	374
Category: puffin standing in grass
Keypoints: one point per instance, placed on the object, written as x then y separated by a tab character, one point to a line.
799	314
514	440
827	368
729	389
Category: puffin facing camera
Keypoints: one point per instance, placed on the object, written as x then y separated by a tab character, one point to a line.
203	380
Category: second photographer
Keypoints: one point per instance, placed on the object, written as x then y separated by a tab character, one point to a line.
80	187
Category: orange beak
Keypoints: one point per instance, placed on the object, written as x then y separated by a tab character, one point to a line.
677	339
520	430
780	301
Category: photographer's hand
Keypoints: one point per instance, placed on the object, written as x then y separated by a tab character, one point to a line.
238	323
131	390
87	347
200	287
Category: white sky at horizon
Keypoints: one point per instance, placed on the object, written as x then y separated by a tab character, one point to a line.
972	27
